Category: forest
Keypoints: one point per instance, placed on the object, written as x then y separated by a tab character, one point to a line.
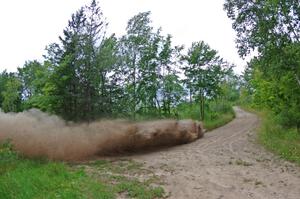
90	75
89	78
271	80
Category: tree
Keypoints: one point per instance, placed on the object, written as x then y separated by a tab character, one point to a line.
171	88
86	75
138	48
203	73
230	86
172	92
12	95
261	24
272	29
74	84
277	93
33	77
267	26
106	61
4	76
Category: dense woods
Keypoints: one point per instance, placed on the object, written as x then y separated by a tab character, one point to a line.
90	75
270	29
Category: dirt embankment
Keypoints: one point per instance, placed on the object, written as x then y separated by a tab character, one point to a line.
226	164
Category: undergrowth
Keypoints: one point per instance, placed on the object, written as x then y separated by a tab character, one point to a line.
39	178
216	113
282	141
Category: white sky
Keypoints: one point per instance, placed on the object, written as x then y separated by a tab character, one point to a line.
28	26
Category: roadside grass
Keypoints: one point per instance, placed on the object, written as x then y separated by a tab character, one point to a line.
276	138
216	113
40	178
221	120
282	141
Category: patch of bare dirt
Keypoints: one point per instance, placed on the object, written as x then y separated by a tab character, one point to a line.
226	163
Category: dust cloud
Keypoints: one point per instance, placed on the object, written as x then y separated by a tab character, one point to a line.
37	134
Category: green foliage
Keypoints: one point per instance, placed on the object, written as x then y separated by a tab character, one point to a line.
203	73
34	76
151	84
217	113
4	76
271	28
87	75
279	94
260	25
24	178
230	88
77	74
281	140
7	154
172	92
220	120
11	95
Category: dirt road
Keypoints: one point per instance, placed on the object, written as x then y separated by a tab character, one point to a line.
226	163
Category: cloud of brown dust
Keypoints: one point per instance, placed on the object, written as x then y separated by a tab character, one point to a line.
37	134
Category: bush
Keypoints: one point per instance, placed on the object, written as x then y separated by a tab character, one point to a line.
7	153
216	113
28	178
281	140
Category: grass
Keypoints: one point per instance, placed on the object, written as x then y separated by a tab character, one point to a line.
221	120
282	141
216	113
27	178
243	163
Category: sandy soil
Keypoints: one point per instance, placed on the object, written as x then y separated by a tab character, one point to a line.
226	163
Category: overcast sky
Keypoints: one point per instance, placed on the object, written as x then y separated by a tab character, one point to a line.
27	26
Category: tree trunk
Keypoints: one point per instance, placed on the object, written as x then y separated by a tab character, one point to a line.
203	108
88	104
158	104
191	102
201	103
134	88
200	109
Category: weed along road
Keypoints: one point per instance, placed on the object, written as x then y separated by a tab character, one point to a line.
226	163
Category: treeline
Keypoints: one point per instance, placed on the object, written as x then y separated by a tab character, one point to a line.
90	75
271	29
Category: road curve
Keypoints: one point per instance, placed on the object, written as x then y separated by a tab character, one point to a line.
226	163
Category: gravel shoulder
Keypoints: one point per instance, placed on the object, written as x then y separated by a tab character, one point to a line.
226	163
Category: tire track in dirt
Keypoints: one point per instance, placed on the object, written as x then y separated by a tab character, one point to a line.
226	163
